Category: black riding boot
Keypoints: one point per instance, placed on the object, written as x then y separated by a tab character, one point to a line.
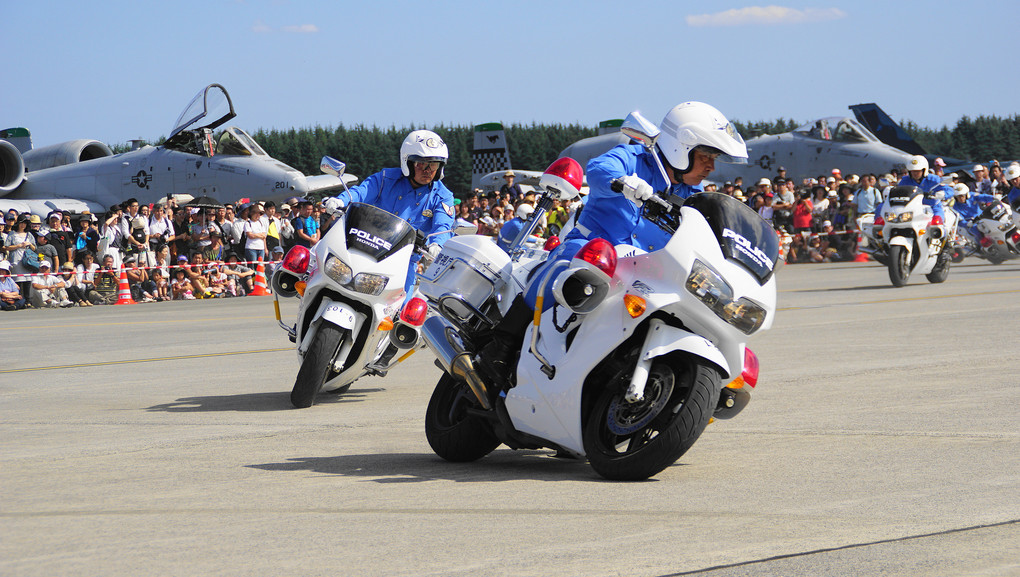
496	359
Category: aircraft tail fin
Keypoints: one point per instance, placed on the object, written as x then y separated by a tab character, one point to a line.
21	138
885	128
489	153
609	126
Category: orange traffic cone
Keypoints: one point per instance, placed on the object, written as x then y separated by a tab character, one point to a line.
124	291
260	282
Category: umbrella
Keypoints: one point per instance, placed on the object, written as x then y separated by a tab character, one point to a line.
205	202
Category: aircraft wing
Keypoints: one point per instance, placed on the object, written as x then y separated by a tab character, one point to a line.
327	184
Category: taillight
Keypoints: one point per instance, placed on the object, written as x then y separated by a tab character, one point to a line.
936	220
1015	237
297	259
879	221
986	242
551	243
750	372
415	311
601	253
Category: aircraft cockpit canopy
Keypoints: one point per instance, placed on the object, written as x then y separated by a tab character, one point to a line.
837	129
236	142
210	108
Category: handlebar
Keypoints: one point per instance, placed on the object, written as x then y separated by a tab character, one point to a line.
617	186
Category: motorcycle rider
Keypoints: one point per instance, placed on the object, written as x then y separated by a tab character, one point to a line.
414	192
930	184
1013	178
969	206
508	232
693	136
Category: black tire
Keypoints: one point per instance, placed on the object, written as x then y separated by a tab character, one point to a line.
317	366
958	255
899	265
940	272
626	442
452	433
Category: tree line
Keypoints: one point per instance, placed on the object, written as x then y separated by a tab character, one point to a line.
367	150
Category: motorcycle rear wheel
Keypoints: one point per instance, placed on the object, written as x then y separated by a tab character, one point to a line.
899	265
632	442
317	366
452	432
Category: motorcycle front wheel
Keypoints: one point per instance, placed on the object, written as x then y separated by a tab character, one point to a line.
940	273
317	366
633	441
899	265
452	432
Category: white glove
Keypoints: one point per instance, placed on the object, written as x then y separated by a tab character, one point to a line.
434	250
333	205
636	189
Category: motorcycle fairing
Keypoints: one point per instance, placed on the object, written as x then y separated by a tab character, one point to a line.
376	232
743	235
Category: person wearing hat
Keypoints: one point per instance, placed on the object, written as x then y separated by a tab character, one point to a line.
1012	175
44	248
982	184
48	289
511	189
940	167
766	210
10	293
18	241
74	294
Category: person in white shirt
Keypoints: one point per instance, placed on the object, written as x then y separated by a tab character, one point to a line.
255	231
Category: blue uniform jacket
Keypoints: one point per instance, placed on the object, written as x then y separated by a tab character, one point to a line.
610	215
929	185
428	208
969	209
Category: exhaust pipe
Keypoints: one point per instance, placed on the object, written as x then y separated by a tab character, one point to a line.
442	338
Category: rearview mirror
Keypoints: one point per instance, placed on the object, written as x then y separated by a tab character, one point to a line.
330	165
638	128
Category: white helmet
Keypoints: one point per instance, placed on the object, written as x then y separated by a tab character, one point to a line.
524	211
1012	171
961	190
423	146
918	162
692	124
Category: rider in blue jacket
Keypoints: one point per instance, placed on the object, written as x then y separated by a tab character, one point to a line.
414	192
1013	178
693	135
930	184
969	206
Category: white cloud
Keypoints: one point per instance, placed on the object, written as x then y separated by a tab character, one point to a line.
302	29
765	15
261	27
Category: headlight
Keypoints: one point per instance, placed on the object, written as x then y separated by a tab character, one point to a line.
901	217
337	270
372	284
1005	227
364	282
706	284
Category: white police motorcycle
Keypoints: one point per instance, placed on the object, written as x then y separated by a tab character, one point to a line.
351	286
908	237
639	352
998	239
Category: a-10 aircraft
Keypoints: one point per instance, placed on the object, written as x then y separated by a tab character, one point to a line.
812	150
85	174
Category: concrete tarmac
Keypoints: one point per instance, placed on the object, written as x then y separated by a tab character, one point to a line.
158	439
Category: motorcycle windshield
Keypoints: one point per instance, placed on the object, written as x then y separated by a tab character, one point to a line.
994	211
376	232
743	235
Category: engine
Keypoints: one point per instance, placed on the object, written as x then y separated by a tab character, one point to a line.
12	168
65	153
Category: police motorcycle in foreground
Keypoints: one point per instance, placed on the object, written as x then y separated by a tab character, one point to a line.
910	238
998	239
351	285
639	352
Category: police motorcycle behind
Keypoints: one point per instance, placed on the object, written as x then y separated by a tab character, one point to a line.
350	322
911	237
999	238
639	352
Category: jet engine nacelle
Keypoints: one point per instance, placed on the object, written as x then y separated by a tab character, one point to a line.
65	153
12	168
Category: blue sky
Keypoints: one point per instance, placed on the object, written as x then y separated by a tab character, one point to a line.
117	70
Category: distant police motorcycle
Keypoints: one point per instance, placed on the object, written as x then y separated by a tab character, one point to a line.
909	237
351	286
639	352
997	239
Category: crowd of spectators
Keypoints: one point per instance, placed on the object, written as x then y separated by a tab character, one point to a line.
171	252
165	251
